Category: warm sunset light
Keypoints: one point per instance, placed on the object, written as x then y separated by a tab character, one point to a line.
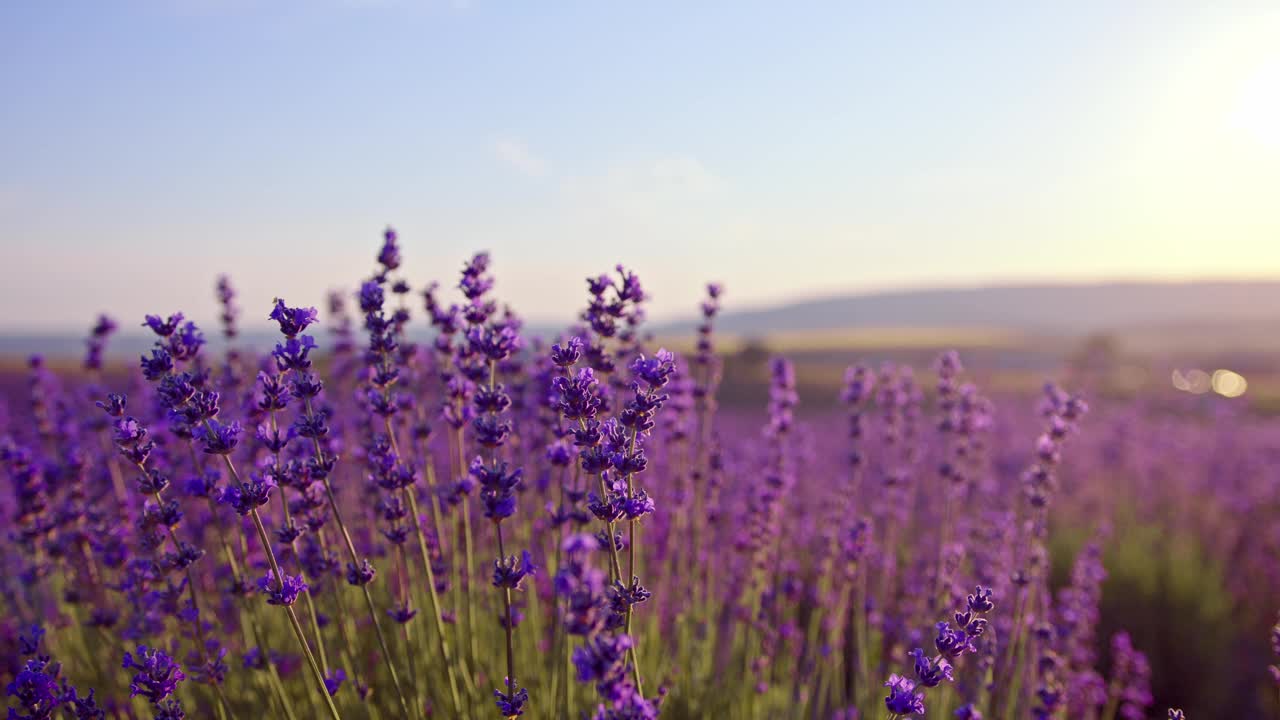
1258	110
658	360
1228	383
1098	142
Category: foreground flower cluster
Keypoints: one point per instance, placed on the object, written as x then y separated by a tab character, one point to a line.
488	525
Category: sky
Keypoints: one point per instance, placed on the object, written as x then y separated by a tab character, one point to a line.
789	150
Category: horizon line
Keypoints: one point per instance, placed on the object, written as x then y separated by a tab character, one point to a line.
819	296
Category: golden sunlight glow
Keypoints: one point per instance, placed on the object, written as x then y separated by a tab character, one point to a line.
1229	384
1257	111
1227	91
1198	195
1226	383
1197	382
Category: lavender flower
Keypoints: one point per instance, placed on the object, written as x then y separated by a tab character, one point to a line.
35	691
292	321
219	439
244	497
97	342
156	675
278	594
1130	678
902	698
511	705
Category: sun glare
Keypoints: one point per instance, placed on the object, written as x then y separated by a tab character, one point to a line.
1257	111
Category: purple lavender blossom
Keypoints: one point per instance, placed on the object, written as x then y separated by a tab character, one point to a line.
278	594
902	698
156	675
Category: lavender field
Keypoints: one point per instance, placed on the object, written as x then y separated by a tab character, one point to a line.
580	360
493	524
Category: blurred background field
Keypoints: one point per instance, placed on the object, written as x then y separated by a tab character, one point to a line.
1149	340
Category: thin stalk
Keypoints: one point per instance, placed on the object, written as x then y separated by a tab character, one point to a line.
407	627
508	628
293	547
311	660
861	687
506	603
256	634
275	568
368	598
435	604
355	560
442	638
1014	670
201	648
631	569
273	674
615	567
293	617
439	526
559	639
347	642
469	555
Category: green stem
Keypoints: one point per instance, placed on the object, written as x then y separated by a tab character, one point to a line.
435	602
355	560
293	617
293	547
255	632
368	599
468	543
275	567
506	603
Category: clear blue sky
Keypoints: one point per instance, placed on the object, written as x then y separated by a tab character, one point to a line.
787	149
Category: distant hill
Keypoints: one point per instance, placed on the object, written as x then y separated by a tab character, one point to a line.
1183	314
1040	309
